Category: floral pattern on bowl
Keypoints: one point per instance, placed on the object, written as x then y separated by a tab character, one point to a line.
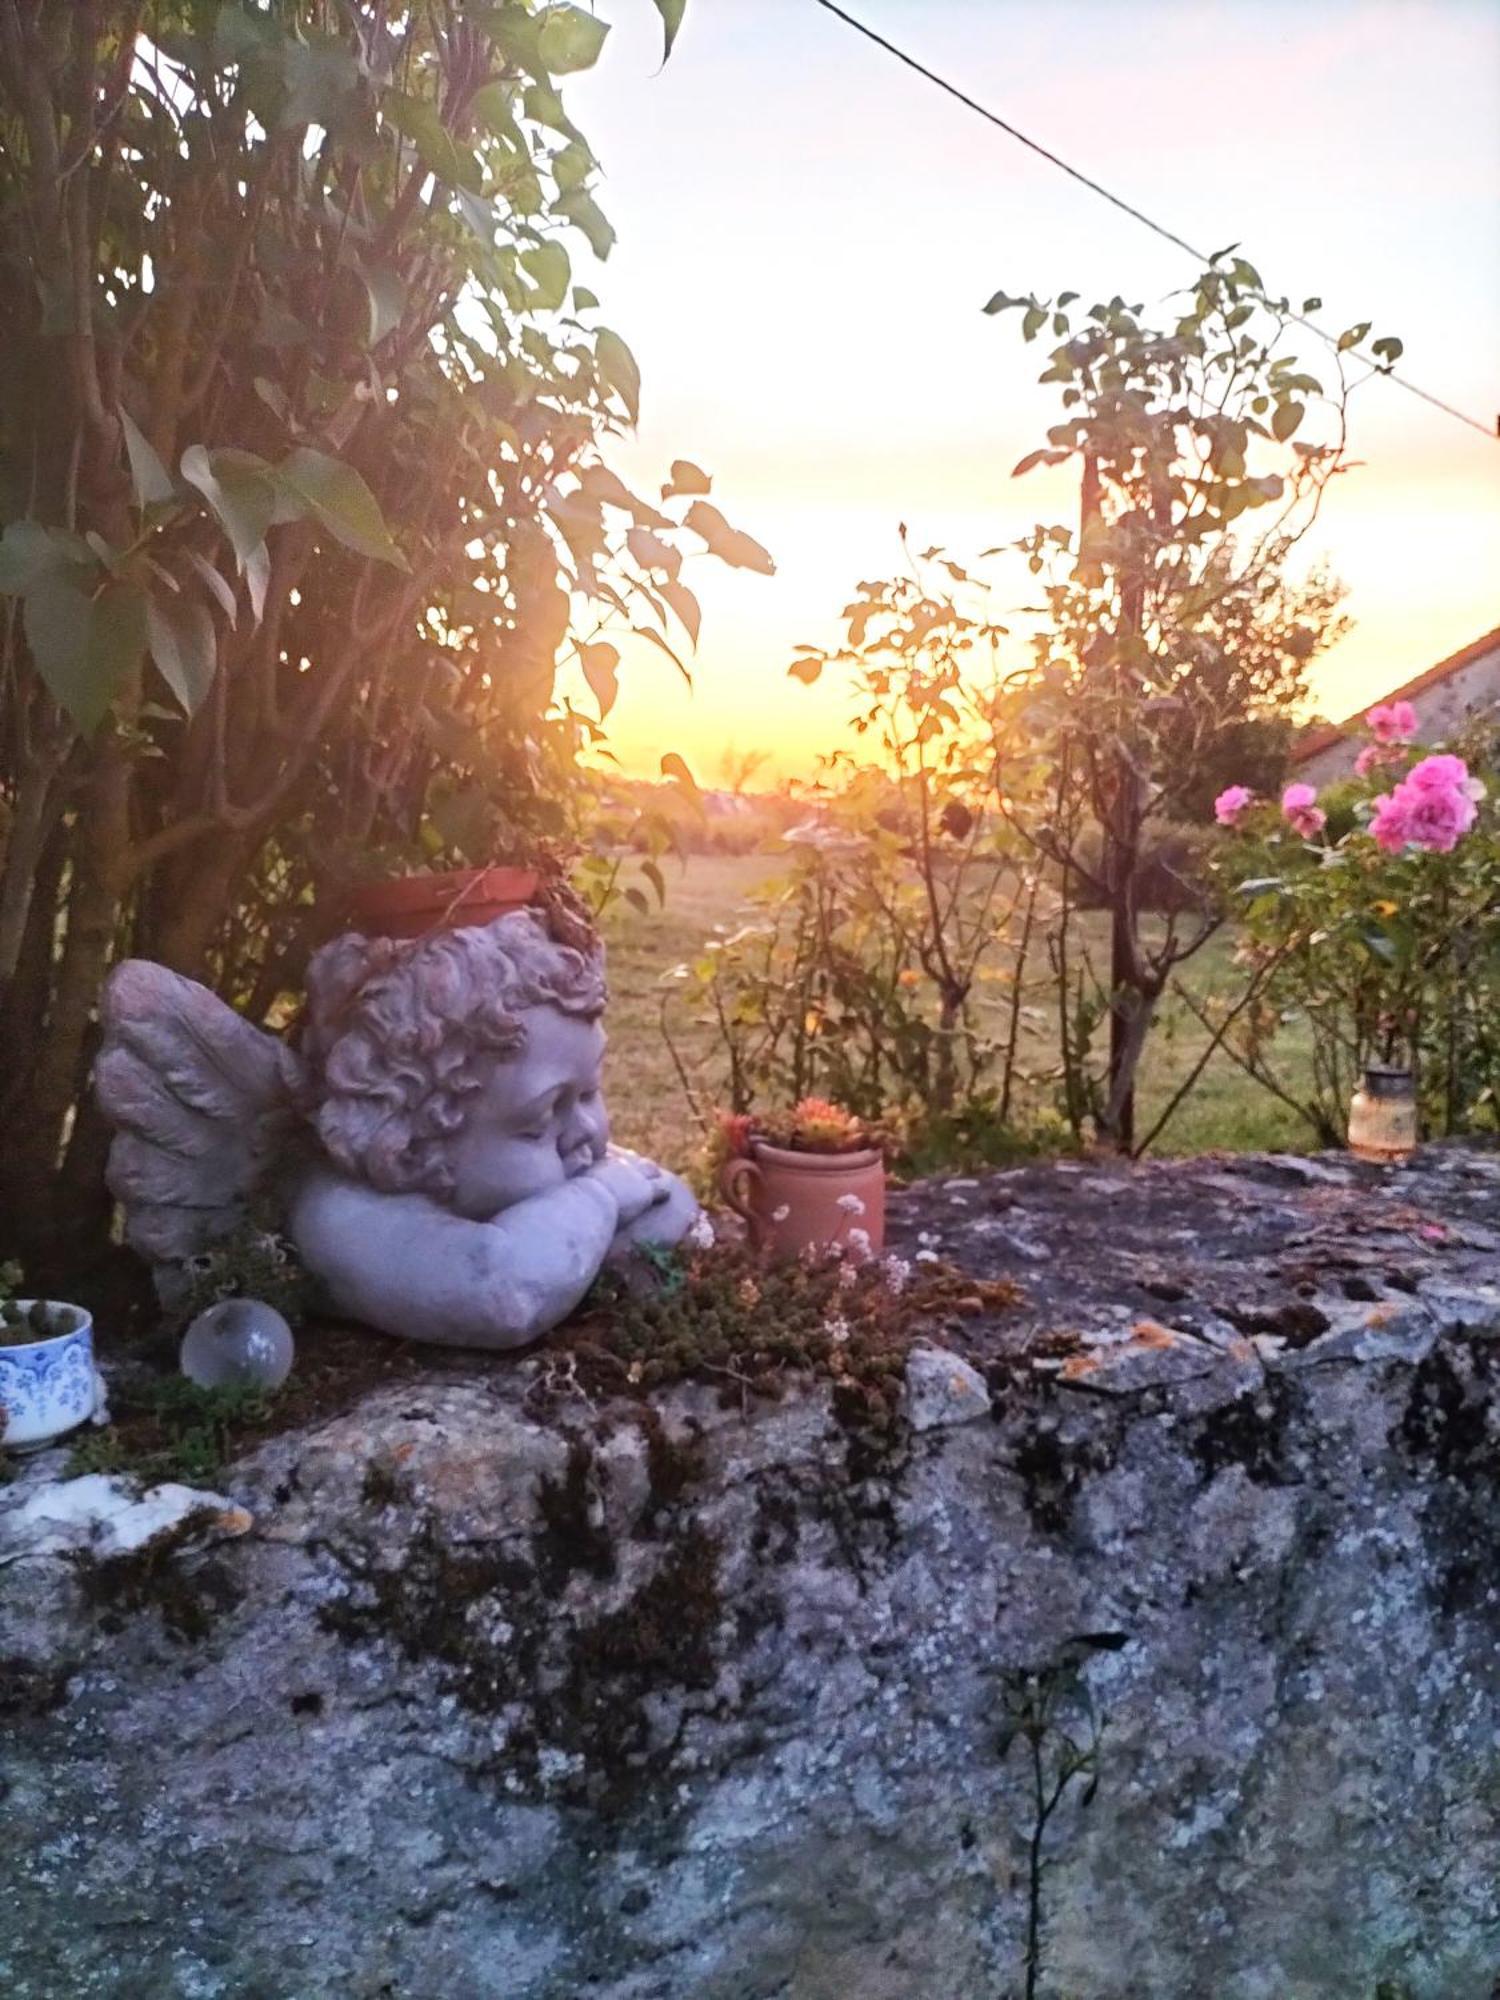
47	1386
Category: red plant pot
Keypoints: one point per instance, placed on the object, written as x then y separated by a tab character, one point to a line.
807	1201
411	906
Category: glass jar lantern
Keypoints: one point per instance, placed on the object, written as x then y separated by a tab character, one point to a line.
1383	1116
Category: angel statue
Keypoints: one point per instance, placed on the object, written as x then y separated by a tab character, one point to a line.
436	1143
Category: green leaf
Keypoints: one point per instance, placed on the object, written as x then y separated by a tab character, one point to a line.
152	481
651	552
672	766
321	79
28	551
1002	302
481	216
671	12
1033	322
216	584
84	647
572	166
730	545
1286	420
1389	348
180	633
340	499
579	207
549	270
655	639
418	121
583	299
545	107
493	111
685	477
1035	458
570	40
237	486
599	670
1352	336
387	296
617	365
685	604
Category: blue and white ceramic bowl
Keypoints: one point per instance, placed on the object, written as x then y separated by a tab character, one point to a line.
47	1387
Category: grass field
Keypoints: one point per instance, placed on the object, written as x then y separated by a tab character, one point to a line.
650	1110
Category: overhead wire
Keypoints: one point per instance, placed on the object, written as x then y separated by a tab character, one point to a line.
1137	215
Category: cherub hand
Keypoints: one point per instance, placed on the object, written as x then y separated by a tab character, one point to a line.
636	1184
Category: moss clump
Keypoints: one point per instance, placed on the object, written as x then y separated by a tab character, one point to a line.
505	1645
167	1428
1250	1432
252	1263
385	1485
662	1637
746	1323
189	1594
573	1535
27	1688
673	1466
1052	1468
432	1604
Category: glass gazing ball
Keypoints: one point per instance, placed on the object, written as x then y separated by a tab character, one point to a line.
239	1344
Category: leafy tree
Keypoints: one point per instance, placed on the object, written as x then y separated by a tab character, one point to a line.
1171	615
300	479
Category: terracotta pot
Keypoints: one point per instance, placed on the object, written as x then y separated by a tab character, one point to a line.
409	906
807	1201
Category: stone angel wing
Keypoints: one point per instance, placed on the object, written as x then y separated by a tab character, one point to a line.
203	1105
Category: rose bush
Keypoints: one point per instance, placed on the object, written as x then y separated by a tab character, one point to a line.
1371	916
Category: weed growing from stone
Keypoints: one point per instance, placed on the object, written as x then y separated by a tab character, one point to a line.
1050	1711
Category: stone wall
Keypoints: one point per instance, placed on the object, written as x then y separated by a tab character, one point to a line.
480	1691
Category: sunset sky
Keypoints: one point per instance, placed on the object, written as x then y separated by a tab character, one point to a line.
808	232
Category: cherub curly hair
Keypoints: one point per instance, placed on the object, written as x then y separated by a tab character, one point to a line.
399	1036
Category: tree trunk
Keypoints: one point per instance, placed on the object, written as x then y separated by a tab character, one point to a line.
100	840
187	903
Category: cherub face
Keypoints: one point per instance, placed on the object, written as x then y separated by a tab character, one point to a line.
539	1119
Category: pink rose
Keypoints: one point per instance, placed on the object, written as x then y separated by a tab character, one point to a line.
1373	756
1231	802
1302	813
1437	819
1392	721
1389	828
1439	773
1432	807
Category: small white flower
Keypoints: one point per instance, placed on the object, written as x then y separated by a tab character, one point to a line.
858	1240
781	1214
897	1274
701	1235
851	1204
926	1257
927	1238
837	1329
848	1276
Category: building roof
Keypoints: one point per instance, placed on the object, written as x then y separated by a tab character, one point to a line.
1329	733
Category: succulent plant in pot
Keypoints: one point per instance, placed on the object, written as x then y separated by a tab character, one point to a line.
47	1380
810	1178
